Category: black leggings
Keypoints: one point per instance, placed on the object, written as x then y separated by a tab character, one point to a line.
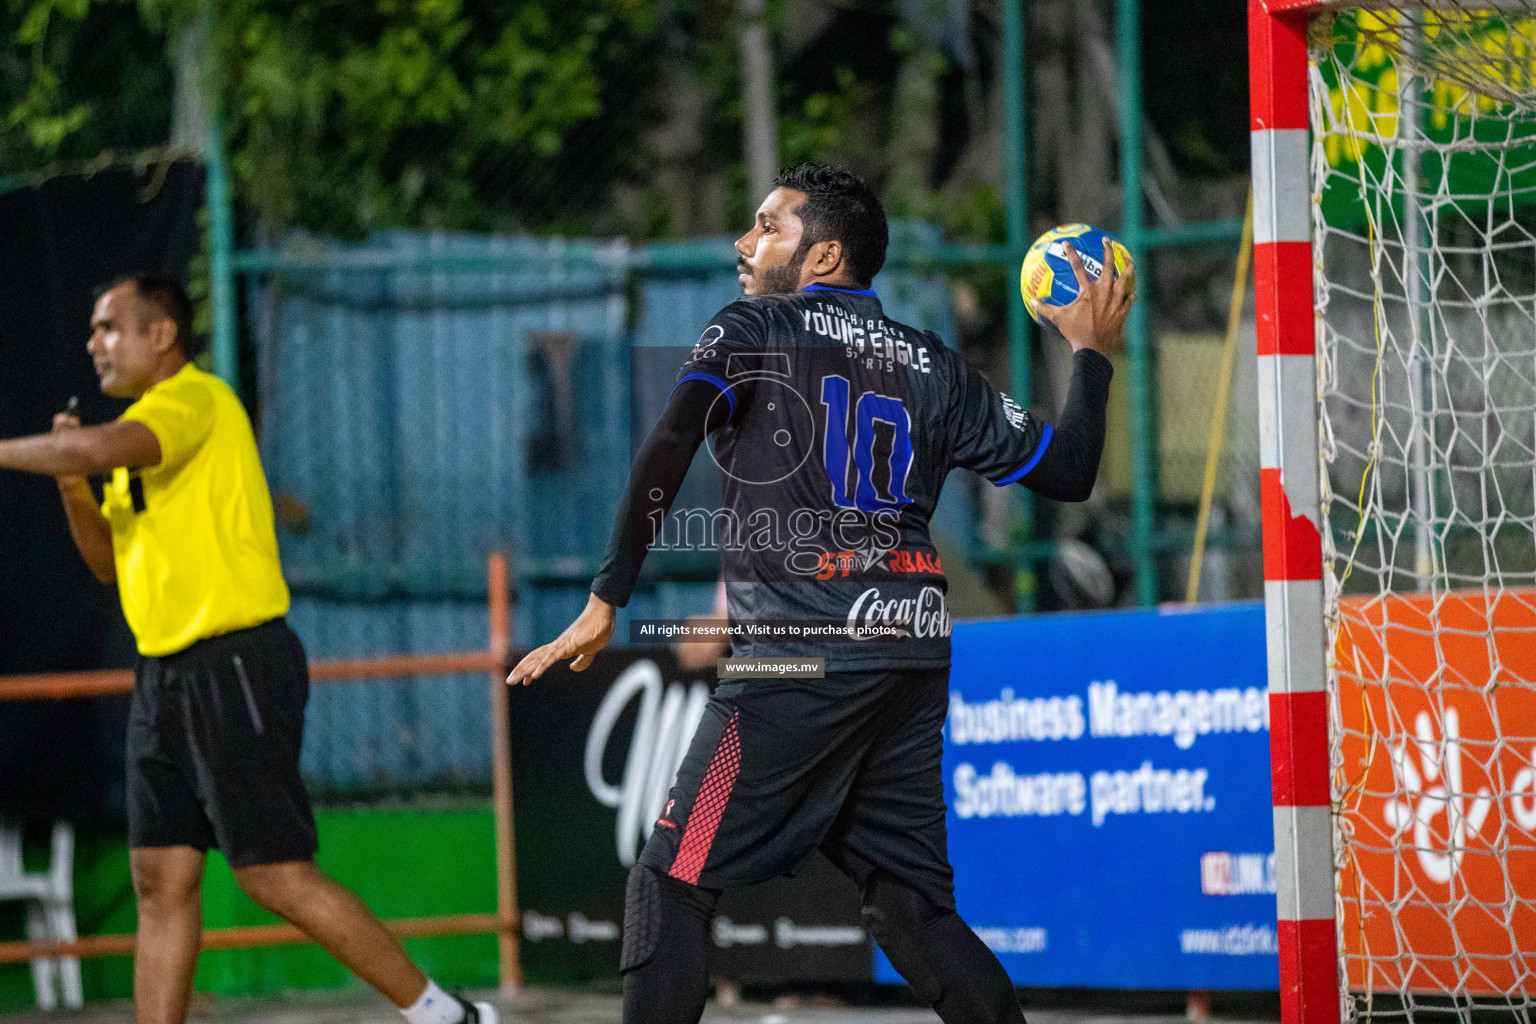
666	972
665	956
944	962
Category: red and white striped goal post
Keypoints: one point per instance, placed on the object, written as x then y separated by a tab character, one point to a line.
1293	567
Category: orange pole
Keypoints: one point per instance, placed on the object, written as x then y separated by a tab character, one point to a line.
59	685
501	775
254	937
402	665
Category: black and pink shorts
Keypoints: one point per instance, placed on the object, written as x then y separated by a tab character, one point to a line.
850	764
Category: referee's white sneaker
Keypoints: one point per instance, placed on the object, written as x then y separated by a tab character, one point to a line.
479	1013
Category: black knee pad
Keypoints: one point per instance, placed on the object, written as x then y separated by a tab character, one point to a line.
642	918
657	905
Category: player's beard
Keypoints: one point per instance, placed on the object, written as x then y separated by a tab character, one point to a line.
784	280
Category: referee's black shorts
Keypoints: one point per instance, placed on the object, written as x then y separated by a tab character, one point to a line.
850	764
213	748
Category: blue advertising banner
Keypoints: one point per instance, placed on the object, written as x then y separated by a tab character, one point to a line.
1108	783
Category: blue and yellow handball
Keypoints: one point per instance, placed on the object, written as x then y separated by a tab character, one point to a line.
1047	277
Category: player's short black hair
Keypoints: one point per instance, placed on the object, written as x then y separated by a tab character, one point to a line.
169	298
839	204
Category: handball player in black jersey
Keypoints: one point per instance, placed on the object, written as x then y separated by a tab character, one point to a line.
834	428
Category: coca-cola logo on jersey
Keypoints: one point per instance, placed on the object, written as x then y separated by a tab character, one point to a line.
924	617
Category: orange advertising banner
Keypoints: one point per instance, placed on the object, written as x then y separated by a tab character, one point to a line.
1437	764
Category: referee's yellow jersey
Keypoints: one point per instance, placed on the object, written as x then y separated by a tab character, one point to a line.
193	538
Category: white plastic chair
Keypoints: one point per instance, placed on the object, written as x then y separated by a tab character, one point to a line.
50	899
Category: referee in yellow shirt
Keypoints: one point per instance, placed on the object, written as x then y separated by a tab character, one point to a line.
186	533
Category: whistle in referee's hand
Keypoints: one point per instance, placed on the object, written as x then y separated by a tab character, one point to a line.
69	419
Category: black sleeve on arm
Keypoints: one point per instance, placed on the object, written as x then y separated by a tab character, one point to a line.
693	411
1070	464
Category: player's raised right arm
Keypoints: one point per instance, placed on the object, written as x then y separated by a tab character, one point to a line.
1069	465
1096	318
1006	444
1094	325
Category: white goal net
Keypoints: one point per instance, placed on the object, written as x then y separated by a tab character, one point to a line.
1424	245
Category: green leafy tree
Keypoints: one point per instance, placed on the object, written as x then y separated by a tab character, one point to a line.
455	113
346	116
80	79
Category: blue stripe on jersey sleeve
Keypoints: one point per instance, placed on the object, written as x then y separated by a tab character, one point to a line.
1045	441
730	396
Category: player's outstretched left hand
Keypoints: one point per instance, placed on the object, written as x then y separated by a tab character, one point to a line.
590	633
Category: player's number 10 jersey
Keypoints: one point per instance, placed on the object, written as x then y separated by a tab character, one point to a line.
843	425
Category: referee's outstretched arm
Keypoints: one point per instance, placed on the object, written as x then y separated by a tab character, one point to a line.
76	451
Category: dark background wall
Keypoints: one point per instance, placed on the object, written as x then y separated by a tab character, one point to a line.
59	242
